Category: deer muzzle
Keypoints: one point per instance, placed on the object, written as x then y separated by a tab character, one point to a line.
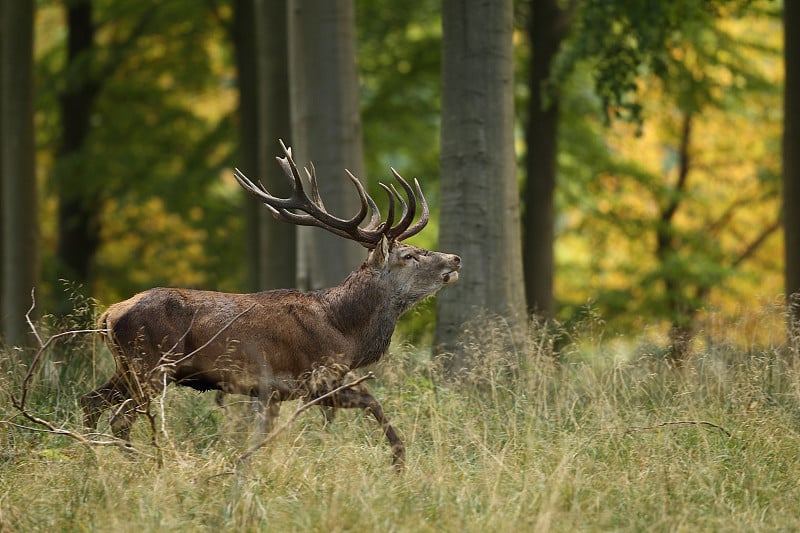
451	276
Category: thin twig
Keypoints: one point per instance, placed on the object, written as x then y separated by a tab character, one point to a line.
49	427
633	429
297	412
205	344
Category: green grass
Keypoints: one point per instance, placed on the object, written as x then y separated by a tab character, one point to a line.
517	444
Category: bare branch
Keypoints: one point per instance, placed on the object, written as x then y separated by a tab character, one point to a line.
634	429
47	426
204	345
756	243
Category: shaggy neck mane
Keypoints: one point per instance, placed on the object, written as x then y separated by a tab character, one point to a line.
363	307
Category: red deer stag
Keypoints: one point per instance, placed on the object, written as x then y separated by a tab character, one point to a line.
280	344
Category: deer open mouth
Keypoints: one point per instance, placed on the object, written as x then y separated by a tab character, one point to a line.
450	277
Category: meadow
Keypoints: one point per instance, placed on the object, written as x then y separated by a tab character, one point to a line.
607	439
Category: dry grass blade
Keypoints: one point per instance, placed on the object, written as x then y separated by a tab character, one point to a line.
18	402
302	407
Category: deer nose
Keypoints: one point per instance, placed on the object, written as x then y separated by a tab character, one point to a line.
456	261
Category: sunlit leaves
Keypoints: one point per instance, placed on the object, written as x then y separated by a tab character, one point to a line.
722	242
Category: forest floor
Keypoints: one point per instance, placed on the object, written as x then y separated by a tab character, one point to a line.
596	442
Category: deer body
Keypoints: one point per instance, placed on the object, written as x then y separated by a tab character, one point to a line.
267	344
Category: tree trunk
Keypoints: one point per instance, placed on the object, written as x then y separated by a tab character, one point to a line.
17	174
547	27
479	198
278	240
244	42
791	162
326	127
262	62
78	224
679	305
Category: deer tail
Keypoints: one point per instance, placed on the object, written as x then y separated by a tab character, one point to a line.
102	324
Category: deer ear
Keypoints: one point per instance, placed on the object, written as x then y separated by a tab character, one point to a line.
379	255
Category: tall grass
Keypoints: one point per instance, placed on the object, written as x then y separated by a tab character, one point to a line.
517	443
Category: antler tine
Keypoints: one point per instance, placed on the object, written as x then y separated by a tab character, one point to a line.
367	203
375	220
408	215
312	179
423	217
390	215
403	205
290	169
276	206
254	189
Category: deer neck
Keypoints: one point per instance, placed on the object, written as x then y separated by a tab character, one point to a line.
364	309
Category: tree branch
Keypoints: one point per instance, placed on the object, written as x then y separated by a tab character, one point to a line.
49	427
633	429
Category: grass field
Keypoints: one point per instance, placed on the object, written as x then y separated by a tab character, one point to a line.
603	441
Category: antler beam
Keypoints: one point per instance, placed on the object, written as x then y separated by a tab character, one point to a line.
313	212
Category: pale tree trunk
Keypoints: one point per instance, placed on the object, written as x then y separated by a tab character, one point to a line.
262	61
18	178
326	127
480	203
547	27
278	240
791	162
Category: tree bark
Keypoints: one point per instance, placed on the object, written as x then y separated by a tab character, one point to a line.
277	241
78	224
479	198
326	127
262	62
246	52
547	27
791	162
20	265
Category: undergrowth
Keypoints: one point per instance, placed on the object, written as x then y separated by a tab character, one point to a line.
602	438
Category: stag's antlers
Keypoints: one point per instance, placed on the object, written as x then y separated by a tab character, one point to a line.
315	214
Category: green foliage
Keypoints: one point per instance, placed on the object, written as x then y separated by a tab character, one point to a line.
626	39
160	128
399	64
600	442
632	237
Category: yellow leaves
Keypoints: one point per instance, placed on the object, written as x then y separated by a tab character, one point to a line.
163	250
721	240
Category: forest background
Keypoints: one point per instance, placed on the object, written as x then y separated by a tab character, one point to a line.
660	210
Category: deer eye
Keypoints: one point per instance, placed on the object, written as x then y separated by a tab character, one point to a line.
409	257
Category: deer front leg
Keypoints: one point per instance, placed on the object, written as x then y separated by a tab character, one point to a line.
268	412
360	397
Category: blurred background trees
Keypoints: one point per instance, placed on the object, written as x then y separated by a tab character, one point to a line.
647	138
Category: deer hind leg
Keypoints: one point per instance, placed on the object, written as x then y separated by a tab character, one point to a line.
111	394
360	397
328	414
124	395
